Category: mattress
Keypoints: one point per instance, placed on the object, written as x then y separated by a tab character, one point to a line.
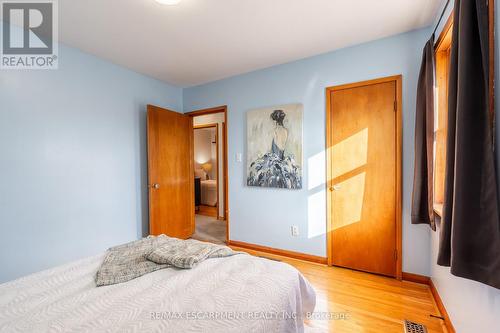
209	192
241	293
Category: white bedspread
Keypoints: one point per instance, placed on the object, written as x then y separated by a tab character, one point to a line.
231	294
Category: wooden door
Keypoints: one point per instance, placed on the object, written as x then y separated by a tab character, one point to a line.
364	176
170	173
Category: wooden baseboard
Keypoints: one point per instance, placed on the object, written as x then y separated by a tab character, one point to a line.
442	309
284	253
439	303
416	278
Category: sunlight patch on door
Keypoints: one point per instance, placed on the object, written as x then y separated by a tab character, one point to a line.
350	153
348	201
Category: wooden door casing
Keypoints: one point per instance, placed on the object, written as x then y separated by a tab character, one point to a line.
170	173
364	170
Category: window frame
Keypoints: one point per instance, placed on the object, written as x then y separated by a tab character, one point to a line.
442	57
443	45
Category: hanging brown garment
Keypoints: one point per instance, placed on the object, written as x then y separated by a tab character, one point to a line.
470	230
422	210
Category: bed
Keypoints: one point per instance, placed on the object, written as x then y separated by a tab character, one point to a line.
208	188
209	192
241	293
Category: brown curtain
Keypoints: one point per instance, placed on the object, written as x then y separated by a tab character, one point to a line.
470	230
422	210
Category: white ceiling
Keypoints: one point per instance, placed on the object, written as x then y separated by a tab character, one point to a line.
199	41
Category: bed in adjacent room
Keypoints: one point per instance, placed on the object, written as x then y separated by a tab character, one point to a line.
208	188
238	293
209	192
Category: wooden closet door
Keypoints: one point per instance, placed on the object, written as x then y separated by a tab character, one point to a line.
170	173
363	183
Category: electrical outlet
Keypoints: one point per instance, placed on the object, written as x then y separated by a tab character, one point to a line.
239	157
295	230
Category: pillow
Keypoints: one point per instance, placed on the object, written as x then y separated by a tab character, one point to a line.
200	173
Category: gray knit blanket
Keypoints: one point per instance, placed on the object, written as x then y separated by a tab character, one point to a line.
129	261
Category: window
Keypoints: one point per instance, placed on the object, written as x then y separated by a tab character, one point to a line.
442	52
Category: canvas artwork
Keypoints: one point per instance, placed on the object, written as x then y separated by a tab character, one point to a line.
274	147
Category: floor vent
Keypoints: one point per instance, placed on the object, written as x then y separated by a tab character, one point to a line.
411	327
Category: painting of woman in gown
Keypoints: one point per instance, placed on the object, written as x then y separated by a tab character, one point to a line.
275	147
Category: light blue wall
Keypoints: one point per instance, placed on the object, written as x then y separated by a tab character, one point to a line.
264	216
73	160
472	306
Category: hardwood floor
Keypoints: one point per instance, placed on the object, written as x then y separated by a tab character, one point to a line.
207	211
371	303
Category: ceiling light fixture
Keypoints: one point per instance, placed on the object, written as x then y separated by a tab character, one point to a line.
168	2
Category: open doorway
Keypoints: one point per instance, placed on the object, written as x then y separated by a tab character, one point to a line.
206	167
210	175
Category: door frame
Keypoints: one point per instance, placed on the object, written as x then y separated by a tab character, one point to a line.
220	109
216	125
329	172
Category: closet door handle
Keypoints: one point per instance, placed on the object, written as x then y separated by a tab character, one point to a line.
335	188
155	186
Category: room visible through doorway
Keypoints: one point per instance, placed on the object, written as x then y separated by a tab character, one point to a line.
210	175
